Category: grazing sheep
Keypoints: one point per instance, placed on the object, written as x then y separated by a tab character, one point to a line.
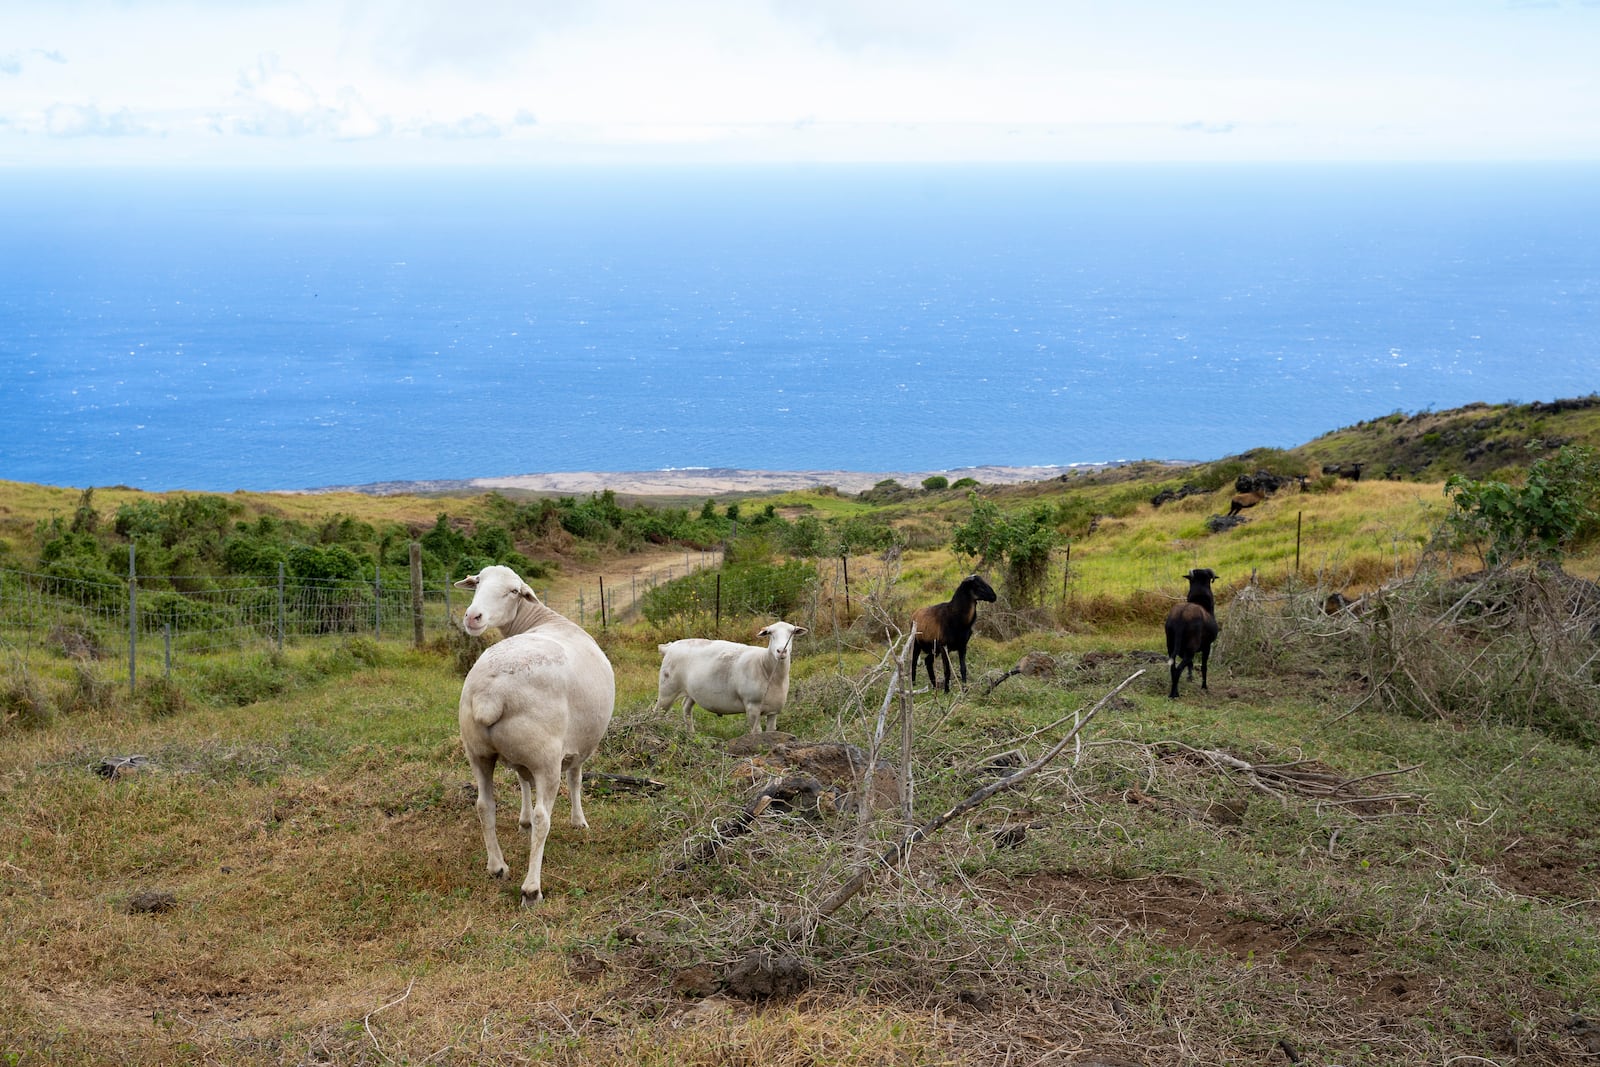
727	678
948	626
1191	628
1241	501
541	700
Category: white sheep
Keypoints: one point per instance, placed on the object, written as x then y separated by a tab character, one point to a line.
728	678
541	700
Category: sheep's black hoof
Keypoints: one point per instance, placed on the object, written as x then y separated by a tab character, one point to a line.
530	899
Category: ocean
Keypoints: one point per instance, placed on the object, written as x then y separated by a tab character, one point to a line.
222	329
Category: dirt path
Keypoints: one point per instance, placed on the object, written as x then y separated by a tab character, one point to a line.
575	591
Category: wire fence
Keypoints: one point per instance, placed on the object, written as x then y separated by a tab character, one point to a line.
158	623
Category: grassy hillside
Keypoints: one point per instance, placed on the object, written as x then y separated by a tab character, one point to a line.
1372	840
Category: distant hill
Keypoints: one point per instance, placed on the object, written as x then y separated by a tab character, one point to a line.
1476	440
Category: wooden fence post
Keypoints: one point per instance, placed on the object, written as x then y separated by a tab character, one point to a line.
133	618
1297	517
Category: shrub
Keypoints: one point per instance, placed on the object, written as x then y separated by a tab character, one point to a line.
934	483
769	590
1020	543
1553	510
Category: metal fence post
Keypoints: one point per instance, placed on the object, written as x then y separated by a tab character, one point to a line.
377	602
280	607
133	618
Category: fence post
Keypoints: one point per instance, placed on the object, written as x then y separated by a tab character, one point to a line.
133	617
280	607
416	594
580	609
1297	517
845	559
602	602
377	601
719	600
166	641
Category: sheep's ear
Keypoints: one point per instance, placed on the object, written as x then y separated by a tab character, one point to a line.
527	594
765	631
469	582
798	630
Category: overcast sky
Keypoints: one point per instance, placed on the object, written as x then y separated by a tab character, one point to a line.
516	81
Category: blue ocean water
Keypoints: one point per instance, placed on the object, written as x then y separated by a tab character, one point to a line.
220	329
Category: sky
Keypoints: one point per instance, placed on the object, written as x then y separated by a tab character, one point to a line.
482	82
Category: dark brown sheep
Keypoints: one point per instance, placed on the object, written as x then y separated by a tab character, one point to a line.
1191	628
1241	501
948	626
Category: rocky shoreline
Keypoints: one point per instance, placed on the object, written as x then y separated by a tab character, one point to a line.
708	481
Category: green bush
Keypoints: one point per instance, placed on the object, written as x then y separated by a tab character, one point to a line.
768	590
1020	543
1556	508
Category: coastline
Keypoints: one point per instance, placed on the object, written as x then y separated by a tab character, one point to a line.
710	481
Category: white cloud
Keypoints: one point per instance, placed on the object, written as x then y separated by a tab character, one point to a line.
71	120
804	79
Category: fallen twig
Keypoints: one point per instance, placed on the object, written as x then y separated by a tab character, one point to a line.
366	1023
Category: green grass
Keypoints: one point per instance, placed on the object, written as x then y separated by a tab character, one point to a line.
310	813
323	854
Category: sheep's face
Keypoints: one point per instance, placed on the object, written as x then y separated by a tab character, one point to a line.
780	638
978	588
497	595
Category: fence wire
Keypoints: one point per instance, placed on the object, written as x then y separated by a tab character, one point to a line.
162	621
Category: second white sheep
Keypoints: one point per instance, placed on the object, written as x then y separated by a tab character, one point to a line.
728	678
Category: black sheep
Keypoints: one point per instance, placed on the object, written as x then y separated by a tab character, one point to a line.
948	626
1191	627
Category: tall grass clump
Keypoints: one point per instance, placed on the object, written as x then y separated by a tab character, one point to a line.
24	704
161	697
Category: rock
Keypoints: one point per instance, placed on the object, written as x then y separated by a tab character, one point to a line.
762	977
149	902
755	744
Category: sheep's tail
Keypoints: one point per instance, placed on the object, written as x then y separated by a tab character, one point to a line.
486	713
661	648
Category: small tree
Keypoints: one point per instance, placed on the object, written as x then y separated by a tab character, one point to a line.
1019	543
934	482
1554	509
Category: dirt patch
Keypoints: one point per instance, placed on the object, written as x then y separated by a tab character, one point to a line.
1179	913
1553	869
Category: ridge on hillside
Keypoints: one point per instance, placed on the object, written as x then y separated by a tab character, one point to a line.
1477	440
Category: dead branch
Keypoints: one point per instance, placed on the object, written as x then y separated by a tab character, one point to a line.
623	782
1274	779
897	851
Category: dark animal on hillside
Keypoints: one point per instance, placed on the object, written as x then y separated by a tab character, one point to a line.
1191	628
947	627
1344	470
1241	501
